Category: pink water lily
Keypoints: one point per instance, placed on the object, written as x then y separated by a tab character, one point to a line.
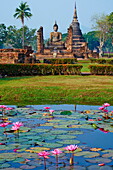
18	124
4	124
105	110
51	111
3	106
106	104
71	148
56	152
44	154
47	108
15	128
15	150
9	108
101	108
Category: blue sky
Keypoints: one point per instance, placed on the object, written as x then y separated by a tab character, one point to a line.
45	12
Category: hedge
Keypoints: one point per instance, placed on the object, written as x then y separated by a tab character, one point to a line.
101	69
101	61
60	61
39	69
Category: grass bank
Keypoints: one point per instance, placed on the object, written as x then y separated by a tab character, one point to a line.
57	90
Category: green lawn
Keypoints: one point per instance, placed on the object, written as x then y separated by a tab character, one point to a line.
57	90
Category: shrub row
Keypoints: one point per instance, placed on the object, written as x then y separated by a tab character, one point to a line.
39	69
61	61
101	61
101	69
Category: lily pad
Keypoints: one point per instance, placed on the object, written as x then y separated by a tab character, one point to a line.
99	160
65	137
96	167
58	132
68	142
88	154
52	145
66	113
5	165
27	167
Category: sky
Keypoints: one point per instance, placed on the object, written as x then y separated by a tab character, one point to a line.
45	12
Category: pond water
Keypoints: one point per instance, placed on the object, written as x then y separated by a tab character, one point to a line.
86	127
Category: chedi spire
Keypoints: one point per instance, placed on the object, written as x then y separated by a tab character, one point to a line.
75	13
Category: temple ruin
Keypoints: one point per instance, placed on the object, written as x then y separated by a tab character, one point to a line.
75	45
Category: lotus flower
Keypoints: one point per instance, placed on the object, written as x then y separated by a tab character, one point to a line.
15	128
106	104
3	106
44	154
56	152
101	108
47	108
4	124
18	124
9	108
71	148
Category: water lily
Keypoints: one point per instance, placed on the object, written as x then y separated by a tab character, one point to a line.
71	148
4	124
106	104
51	112
44	154
56	152
47	108
18	124
3	106
101	108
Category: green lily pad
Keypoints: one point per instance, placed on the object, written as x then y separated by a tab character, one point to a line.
5	165
65	137
52	145
55	132
99	160
68	142
107	155
27	167
66	113
19	160
87	154
96	167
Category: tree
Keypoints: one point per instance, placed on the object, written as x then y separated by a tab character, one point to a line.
14	34
21	13
3	34
110	23
92	39
101	25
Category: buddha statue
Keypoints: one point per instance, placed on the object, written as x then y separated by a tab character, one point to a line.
55	36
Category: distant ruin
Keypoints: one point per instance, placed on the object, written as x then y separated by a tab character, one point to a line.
75	46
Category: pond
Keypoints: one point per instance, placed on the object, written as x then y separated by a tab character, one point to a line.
45	129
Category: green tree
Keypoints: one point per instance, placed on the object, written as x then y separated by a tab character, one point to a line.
21	13
110	23
92	39
102	28
3	34
14	34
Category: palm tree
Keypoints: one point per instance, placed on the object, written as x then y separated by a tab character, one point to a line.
21	13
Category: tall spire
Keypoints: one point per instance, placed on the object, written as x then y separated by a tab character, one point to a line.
75	13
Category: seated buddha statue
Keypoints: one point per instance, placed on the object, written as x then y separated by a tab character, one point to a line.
55	36
55	41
